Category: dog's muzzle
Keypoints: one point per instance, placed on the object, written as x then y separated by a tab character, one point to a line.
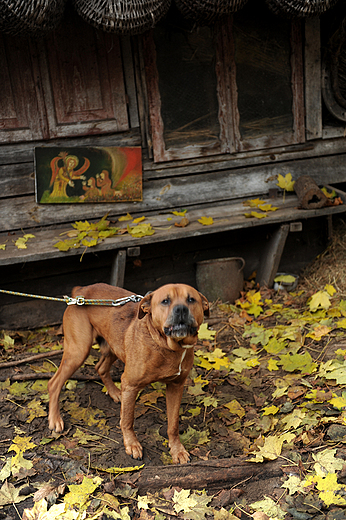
180	323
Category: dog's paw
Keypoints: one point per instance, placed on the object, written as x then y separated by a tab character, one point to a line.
114	393
135	450
180	455
56	424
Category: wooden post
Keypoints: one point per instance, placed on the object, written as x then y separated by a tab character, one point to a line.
118	268
271	256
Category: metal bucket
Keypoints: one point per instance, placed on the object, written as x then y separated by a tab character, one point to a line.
221	278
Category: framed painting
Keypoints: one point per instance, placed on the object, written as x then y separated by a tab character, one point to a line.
82	175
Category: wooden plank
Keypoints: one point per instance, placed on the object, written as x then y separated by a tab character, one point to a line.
297	80
313	99
173	193
130	83
24	152
227	217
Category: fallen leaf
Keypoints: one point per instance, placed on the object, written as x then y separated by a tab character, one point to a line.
205	333
125	217
10	495
286	183
183	223
206	221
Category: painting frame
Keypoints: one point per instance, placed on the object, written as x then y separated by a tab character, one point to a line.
75	175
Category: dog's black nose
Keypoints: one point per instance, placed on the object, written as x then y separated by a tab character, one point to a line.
180	313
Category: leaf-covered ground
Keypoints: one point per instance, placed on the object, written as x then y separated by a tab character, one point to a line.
268	384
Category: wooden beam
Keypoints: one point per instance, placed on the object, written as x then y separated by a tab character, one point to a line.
271	256
313	99
118	268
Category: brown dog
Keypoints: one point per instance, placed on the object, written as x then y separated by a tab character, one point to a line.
154	338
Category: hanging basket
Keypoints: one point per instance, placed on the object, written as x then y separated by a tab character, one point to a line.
122	16
29	17
205	11
300	8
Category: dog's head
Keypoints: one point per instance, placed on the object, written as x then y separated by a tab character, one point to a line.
176	310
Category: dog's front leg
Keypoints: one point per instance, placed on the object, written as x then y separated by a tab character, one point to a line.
174	393
127	413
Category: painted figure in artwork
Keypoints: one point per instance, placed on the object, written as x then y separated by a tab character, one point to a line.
91	192
105	183
62	176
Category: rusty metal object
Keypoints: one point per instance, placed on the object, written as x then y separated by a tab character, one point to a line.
309	194
221	278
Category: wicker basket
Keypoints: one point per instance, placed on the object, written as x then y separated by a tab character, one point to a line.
29	17
122	16
300	8
205	11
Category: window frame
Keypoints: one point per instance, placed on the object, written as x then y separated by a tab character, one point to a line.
230	140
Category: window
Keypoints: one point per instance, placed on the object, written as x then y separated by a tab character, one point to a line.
235	86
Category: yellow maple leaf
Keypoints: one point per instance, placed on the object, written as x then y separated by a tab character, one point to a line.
205	333
330	289
35	410
137	220
272	447
319	332
341	324
21	444
286	183
206	221
338	402
272	364
267	207
319	300
21	243
270	410
141	230
252	362
255	214
79	494
329	489
125	217
179	213
235	408
253	203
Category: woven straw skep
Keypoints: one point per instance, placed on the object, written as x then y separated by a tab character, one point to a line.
122	16
205	11
300	8
29	17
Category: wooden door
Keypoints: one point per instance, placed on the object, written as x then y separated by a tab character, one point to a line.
70	83
83	80
20	109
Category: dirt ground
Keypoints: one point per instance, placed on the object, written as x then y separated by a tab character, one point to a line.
266	372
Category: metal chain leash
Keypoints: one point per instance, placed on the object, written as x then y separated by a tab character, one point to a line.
80	300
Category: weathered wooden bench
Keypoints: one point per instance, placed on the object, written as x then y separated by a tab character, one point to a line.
225	218
219	194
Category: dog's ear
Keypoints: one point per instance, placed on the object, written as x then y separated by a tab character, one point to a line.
145	305
205	304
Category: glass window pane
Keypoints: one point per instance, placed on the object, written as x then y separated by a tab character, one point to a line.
187	82
263	72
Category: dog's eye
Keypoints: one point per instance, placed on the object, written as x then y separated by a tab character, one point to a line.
166	301
190	299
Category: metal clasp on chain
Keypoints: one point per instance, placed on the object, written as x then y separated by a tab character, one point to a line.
75	301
